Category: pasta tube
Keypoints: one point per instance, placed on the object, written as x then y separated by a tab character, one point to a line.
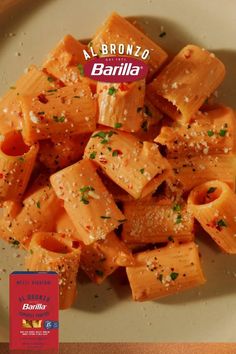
204	168
34	215
127	161
214	205
54	252
67	111
156	221
64	61
165	271
16	164
31	83
211	132
102	258
120	105
86	200
186	82
118	30
63	152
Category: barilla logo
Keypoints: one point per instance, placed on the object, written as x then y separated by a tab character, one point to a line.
112	68
34	307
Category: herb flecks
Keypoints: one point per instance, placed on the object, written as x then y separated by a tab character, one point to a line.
211	190
93	154
112	91
85	194
210	133
104	136
174	275
222	132
59	119
81	69
118	125
220	224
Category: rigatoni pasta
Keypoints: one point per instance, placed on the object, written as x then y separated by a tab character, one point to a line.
127	161
214	205
157	221
165	271
118	30
87	201
16	165
186	82
209	132
121	105
58	113
51	251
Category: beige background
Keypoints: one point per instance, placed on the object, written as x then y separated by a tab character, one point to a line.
28	31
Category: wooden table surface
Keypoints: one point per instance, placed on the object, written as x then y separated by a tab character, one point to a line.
132	348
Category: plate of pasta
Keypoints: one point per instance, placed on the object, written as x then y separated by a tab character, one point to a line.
125	189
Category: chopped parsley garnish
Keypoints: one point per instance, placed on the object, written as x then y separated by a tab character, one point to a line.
162	34
141	171
115	153
178	219
144	125
160	277
147	111
117	125
21	159
112	90
52	90
109	148
99	273
211	190
174	275
59	119
104	136
51	79
105	217
81	69
222	132
210	133
221	223
38	205
177	207
84	194
31	251
15	243
93	155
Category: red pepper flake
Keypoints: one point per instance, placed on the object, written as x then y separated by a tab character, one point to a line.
102	159
42	98
75	244
123	87
88	227
1	175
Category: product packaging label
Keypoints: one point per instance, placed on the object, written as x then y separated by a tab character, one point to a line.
34	311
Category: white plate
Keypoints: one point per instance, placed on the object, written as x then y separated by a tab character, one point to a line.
202	314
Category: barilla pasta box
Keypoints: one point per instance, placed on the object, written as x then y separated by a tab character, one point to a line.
34	310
